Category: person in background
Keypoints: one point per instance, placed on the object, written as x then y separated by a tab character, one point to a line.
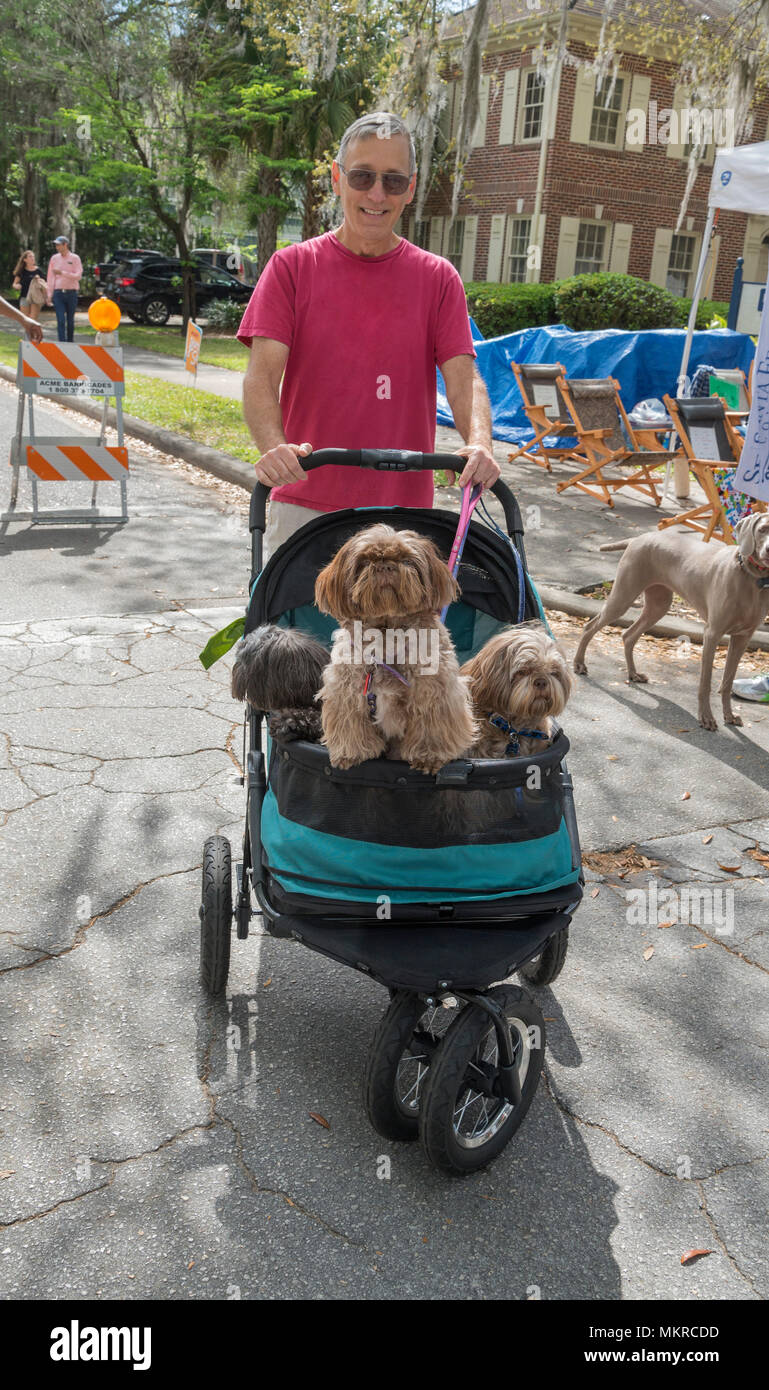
32	329
24	272
64	274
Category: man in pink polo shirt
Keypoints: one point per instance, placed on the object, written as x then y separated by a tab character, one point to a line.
65	271
354	322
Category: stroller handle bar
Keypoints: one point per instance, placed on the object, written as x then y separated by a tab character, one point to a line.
386	461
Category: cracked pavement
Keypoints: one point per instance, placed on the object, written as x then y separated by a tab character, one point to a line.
156	1144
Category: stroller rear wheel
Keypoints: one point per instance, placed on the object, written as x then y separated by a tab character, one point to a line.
465	1120
216	914
398	1061
547	966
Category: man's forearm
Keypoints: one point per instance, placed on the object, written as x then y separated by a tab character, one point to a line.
262	414
472	413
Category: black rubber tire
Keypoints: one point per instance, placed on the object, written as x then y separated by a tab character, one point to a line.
216	914
547	966
155	312
394	1033
446	1082
135	318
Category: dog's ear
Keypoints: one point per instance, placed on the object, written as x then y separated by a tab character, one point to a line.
744	533
331	587
442	586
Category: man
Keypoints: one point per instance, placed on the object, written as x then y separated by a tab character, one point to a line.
358	319
65	271
31	327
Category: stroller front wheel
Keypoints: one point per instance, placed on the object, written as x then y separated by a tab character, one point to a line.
216	914
465	1121
398	1061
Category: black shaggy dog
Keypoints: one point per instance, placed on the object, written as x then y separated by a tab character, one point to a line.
279	670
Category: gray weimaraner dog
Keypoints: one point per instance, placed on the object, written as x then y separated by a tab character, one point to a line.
728	585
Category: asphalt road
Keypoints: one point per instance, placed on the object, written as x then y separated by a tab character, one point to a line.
153	1144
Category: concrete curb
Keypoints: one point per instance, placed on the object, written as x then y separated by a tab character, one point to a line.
231	470
223	466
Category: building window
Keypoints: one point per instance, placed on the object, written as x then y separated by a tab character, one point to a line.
591	248
520	231
456	242
607	109
533	104
680	265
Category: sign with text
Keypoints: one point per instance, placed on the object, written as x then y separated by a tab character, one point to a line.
753	469
192	346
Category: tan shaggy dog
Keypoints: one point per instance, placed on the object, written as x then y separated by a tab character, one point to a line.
520	680
393	684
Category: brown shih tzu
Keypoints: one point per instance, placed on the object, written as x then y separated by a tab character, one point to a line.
519	682
278	670
393	684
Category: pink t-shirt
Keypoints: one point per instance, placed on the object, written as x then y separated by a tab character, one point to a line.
364	335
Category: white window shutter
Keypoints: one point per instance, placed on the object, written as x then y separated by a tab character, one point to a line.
436	235
567	247
638	102
582	111
552	93
675	147
755	232
496	241
479	134
710	267
663	240
509	104
620	247
468	248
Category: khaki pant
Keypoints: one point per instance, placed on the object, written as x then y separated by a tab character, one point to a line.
283	519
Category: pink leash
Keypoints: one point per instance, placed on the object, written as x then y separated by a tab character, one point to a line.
470	499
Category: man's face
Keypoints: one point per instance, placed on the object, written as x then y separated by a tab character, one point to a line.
371	215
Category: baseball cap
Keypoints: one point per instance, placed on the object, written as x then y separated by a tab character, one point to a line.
57	239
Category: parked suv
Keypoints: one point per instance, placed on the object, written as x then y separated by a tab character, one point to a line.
151	291
233	260
104	273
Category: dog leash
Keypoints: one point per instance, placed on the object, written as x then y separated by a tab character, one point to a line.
513	747
369	694
470	500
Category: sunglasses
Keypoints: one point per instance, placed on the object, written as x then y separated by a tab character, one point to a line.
364	179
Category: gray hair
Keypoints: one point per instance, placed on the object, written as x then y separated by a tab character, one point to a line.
384	125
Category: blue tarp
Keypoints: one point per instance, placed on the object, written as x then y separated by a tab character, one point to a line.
645	364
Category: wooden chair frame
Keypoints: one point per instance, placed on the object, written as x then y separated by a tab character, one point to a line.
596	451
534	451
709	518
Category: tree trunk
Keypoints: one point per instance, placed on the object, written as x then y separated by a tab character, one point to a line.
311	213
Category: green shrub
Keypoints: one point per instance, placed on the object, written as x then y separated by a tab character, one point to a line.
224	315
707	310
604	300
501	309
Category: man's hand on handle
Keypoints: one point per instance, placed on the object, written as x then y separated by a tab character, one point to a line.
280	465
481	466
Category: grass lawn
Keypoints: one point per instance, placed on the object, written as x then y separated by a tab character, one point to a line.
217	352
208	419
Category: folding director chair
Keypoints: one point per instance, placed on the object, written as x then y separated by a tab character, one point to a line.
713	449
606	438
546	410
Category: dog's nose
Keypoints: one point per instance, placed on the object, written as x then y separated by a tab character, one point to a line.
540	683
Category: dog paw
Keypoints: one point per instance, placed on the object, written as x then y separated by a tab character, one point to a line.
733	718
638	678
708	722
580	668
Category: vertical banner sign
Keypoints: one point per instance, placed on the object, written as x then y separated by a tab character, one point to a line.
192	346
753	469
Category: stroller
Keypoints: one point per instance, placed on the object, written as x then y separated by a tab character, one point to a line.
360	866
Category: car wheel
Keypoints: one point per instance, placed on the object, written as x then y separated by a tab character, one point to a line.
156	312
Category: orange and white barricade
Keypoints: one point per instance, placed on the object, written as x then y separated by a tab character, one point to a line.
67	370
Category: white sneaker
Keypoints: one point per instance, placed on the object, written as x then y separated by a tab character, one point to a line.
755	688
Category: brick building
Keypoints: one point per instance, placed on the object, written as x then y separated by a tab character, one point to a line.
560	182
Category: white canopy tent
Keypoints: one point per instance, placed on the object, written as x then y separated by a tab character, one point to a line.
741	183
